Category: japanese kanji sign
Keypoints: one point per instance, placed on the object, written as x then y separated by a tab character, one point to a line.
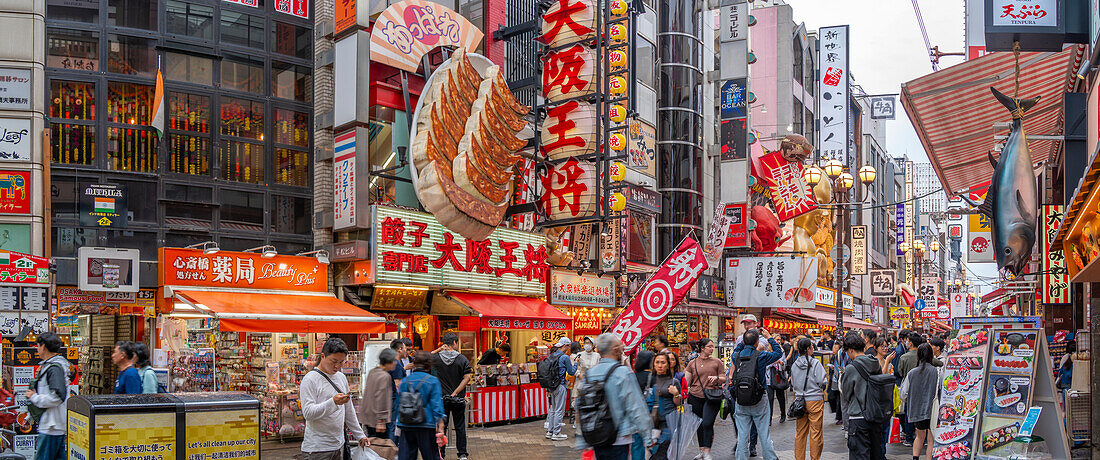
784	178
569	130
979	232
770	282
299	8
1038	13
883	282
398	299
15	192
899	222
252	3
666	288
414	248
883	107
408	30
833	94
585	290
15	88
193	267
346	177
859	250
1055	274
568	73
716	235
19	268
103	205
738	234
568	21
570	190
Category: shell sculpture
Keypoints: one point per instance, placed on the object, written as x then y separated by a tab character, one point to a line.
469	130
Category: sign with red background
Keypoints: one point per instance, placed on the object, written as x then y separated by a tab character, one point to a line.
192	267
15	188
789	193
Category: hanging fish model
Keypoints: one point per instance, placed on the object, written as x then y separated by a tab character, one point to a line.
1013	198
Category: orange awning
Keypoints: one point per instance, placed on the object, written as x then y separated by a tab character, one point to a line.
954	112
828	318
511	312
279	312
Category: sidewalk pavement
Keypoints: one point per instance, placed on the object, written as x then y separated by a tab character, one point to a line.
526	441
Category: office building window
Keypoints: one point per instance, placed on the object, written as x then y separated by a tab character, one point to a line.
241	210
190	20
188	68
188	151
242	29
243	74
131	149
292	215
73	142
83	11
292	40
131	55
242	118
137	14
72	49
293	82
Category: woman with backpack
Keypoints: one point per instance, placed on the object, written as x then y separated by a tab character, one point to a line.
663	396
706	376
420	411
808	381
918	392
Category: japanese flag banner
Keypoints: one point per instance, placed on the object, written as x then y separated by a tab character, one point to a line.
666	288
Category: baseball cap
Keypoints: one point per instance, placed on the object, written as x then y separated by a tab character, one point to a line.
749	317
563	342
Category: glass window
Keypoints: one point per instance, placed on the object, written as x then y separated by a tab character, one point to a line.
66	240
64	196
181	192
130	149
190	19
188	68
640	239
242	161
242	118
139	14
243	74
142	205
180	240
291	167
66	10
242	208
239	244
242	29
129	103
72	50
188	154
285	247
292	40
131	55
188	112
291	128
73	100
646	63
72	144
292	215
292	81
185	216
144	242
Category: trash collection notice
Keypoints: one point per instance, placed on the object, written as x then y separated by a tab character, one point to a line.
231	434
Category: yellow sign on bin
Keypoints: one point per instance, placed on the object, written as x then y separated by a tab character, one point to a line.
223	434
136	436
78	436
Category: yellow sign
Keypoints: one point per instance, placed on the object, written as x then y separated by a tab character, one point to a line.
899	313
139	436
78	436
223	434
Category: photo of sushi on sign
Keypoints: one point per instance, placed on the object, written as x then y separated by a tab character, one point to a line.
968	344
997	433
1013	352
1008	394
961	380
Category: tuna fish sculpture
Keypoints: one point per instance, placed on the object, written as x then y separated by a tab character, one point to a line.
1012	201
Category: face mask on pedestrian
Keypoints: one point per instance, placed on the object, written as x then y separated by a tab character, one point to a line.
587	347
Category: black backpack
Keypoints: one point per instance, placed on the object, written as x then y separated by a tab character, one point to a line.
411	409
878	399
548	372
594	413
747	389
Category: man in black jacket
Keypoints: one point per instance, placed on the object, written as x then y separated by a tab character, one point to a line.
454	373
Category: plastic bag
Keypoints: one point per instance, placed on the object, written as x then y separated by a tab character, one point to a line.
364	453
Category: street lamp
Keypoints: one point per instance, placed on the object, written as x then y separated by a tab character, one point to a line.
843	182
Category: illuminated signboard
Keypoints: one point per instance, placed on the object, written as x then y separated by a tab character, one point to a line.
413	248
585	290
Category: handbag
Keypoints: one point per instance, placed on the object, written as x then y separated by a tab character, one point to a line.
798	407
778	382
384	447
710	393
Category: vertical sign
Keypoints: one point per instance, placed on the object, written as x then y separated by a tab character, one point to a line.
716	236
958	305
343	167
899	222
738	236
833	93
1056	277
979	233
859	250
909	217
299	8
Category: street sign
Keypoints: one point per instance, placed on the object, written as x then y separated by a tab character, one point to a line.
918	305
843	250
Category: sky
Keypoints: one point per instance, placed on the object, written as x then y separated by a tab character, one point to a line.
886	50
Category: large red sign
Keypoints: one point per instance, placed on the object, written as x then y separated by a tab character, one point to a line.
193	267
15	196
666	288
298	8
789	193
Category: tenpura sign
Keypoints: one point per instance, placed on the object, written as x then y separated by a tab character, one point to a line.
193	267
414	248
584	290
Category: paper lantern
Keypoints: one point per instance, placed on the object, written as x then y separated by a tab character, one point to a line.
569	190
617	59
579	20
569	130
569	72
617	113
616	85
618	33
618	8
617	202
617	141
617	171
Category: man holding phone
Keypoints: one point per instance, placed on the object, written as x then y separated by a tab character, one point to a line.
327	407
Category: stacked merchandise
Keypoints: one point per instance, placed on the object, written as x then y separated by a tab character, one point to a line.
233	366
192	370
97	373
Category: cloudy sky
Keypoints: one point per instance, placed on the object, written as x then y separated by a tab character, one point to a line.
887	49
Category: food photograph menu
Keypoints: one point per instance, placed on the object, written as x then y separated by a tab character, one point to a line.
1008	390
960	396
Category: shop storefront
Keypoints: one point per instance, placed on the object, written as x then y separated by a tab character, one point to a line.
252	322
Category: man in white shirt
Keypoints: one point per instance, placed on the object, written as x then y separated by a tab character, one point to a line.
327	407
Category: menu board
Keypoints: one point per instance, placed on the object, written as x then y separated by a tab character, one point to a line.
960	395
1009	389
676	328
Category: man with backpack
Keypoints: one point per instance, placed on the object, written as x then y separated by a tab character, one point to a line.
610	407
868	396
551	372
454	373
47	396
749	375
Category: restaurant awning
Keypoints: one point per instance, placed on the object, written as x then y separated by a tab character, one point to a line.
299	312
940	326
954	112
828	318
511	312
700	308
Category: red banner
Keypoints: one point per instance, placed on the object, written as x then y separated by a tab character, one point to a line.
666	288
789	193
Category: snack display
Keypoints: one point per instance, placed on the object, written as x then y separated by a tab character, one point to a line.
960	397
999	437
952	452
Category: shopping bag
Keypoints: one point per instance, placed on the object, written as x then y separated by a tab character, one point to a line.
895	430
384	447
588	454
897	400
363	453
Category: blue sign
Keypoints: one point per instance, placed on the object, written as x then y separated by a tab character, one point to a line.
1030	420
918	305
733	99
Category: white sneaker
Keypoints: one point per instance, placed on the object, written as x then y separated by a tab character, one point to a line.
547	435
559	437
707	456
